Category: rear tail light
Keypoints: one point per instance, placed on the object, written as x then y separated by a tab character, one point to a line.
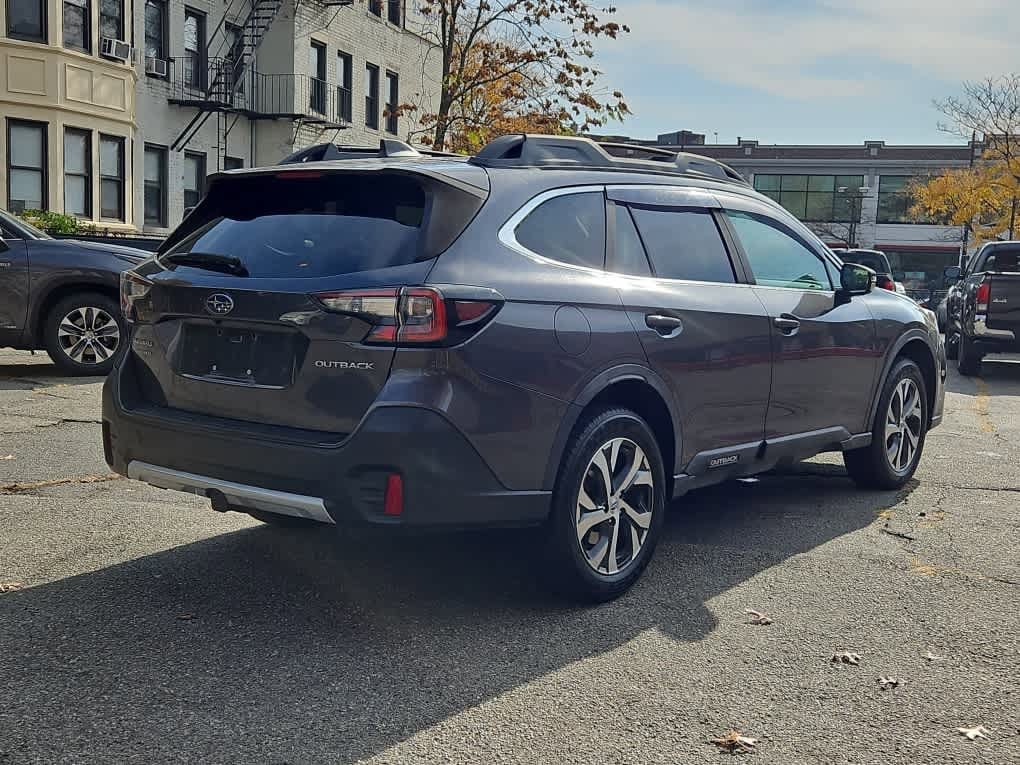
133	289
412	315
887	284
982	295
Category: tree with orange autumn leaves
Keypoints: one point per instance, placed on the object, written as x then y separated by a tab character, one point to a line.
513	66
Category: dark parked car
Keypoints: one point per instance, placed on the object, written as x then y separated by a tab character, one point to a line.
61	296
983	307
877	261
546	333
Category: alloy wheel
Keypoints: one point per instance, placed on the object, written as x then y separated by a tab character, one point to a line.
614	506
88	335
903	425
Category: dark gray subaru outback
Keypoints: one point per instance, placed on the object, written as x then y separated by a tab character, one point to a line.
553	332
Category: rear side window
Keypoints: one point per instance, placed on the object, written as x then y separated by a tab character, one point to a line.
1002	260
684	244
310	227
569	228
628	253
875	262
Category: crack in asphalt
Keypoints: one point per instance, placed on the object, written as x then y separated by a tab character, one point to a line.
28	487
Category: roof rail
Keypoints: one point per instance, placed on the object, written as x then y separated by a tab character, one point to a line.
555	151
388	148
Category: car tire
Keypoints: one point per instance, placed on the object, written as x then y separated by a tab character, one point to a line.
594	525
968	359
888	463
285	521
85	334
952	345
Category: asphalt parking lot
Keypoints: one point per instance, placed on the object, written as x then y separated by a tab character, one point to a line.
149	629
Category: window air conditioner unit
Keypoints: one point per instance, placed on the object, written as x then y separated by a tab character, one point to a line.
156	66
117	49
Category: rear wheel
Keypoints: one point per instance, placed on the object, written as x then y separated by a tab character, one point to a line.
84	334
897	436
968	362
608	507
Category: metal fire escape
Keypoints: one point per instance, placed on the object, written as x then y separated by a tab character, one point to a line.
225	82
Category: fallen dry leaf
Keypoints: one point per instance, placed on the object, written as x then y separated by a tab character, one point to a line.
8	457
846	657
757	617
10	586
978	731
734	742
932	657
19	488
888	682
185	617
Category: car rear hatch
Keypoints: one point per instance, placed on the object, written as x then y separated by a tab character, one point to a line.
264	306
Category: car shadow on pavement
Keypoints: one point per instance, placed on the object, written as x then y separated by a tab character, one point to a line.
275	645
998	376
37	375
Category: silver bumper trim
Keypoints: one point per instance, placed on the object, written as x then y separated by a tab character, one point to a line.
237	494
981	330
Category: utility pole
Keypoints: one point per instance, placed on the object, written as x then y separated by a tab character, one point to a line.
966	226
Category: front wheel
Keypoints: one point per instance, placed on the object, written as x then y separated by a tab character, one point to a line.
897	436
608	507
85	334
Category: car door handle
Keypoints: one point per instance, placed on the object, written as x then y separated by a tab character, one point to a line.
786	324
667	326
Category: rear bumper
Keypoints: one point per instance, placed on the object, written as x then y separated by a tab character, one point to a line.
445	481
993	340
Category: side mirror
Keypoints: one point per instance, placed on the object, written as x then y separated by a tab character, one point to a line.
952	274
856	280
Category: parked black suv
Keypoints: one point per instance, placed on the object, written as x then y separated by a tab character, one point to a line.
551	332
61	295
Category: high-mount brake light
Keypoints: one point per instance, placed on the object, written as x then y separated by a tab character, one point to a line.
410	315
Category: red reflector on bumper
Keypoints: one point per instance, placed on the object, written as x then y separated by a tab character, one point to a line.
393	503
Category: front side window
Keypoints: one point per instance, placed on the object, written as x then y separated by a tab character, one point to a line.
78	172
26	159
155	26
776	257
684	244
392	99
26	20
111	177
76	24
569	228
372	96
111	19
194	178
155	185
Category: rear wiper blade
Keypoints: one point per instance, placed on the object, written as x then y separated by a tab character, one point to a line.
226	264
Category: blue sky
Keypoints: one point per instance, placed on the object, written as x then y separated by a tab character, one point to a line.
804	71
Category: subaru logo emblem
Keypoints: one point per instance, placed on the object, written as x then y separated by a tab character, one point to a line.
219	304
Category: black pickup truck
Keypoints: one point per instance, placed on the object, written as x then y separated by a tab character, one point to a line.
984	306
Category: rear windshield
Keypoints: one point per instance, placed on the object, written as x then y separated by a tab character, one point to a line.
332	224
876	263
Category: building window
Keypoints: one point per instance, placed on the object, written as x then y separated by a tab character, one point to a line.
232	163
26	166
76	25
393	11
372	96
194	178
375	7
194	48
895	200
155	185
111	177
111	19
26	20
317	64
815	198
392	101
78	172
343	91
155	29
